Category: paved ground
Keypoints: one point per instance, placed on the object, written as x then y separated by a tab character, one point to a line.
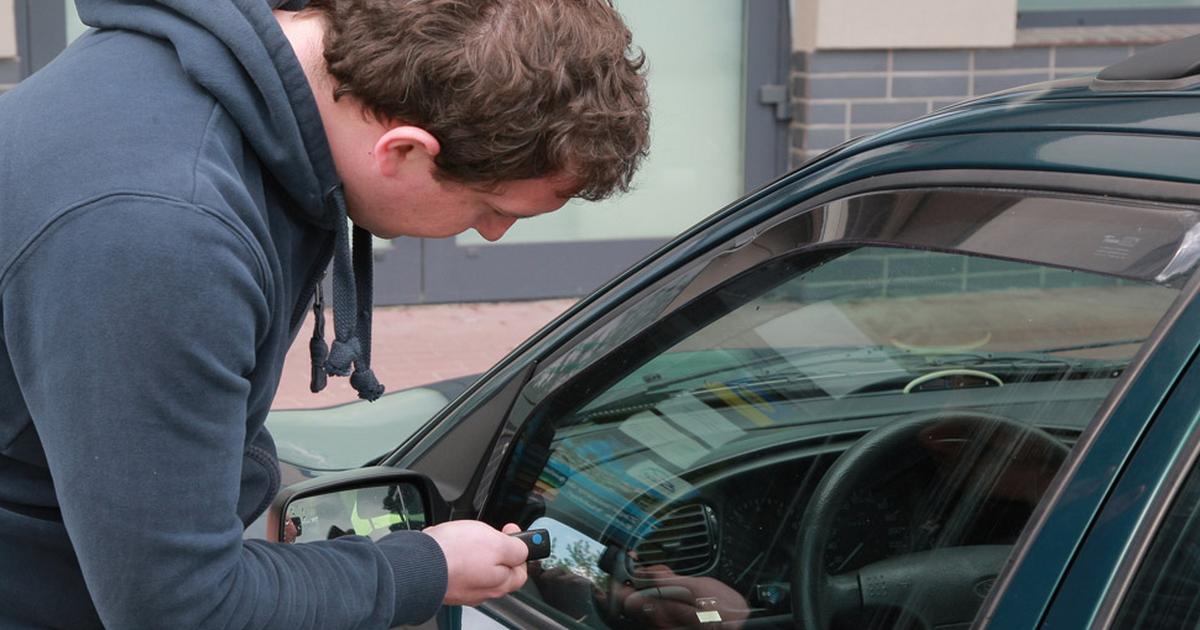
420	344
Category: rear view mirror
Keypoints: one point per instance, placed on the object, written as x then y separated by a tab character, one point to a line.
370	502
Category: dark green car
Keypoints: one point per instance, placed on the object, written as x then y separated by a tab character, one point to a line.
941	377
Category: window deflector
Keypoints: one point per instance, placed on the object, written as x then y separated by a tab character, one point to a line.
1139	241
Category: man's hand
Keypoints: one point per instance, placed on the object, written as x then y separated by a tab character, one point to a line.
481	563
676	601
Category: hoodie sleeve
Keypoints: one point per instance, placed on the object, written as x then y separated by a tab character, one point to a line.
133	325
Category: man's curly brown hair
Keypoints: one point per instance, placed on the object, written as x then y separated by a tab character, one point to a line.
512	89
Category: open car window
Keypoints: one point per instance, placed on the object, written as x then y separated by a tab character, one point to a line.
845	434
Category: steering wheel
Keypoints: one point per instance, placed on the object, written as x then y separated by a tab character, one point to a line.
945	585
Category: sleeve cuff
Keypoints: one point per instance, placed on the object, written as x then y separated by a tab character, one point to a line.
420	575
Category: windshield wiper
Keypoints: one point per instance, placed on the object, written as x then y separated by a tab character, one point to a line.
1116	343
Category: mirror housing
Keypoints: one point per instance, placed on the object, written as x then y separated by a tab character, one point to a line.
371	502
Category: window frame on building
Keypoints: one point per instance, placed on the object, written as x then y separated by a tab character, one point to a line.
1130	16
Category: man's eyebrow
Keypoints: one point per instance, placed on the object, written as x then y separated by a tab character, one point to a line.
505	213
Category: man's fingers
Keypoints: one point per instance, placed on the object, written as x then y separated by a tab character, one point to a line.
516	579
511	528
513	552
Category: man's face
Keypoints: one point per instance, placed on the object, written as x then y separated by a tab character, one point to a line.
413	202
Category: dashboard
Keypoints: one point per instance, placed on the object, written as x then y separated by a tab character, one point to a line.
920	502
651	514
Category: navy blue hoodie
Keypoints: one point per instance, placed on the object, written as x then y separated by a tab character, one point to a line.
168	203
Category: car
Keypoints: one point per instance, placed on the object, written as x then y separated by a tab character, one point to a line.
941	377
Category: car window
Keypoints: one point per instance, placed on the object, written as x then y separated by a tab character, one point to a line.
847	435
1165	593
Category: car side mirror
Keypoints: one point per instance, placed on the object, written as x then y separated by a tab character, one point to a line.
370	502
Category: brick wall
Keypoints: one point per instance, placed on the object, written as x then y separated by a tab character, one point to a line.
839	95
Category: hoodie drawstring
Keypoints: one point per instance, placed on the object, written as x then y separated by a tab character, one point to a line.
352	304
318	350
363	379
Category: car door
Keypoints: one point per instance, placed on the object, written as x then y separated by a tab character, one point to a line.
841	413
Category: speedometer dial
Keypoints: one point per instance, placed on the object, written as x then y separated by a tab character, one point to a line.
759	536
871	526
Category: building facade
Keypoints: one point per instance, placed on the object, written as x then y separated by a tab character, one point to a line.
742	91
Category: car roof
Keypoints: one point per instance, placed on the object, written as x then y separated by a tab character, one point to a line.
1074	104
1152	93
1141	121
1155	85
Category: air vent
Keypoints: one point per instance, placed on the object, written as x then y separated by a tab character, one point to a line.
685	540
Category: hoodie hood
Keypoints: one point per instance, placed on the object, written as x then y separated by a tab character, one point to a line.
235	50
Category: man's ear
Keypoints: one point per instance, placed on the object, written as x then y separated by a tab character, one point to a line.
401	145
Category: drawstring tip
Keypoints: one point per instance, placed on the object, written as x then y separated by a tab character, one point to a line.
319	379
341	356
367	386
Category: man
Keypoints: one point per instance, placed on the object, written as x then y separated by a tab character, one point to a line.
175	185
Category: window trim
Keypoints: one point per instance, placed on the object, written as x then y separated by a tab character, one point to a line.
1107	17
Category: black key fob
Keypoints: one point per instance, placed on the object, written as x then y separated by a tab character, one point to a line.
538	542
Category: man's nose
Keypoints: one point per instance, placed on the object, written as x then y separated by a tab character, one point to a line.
494	227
